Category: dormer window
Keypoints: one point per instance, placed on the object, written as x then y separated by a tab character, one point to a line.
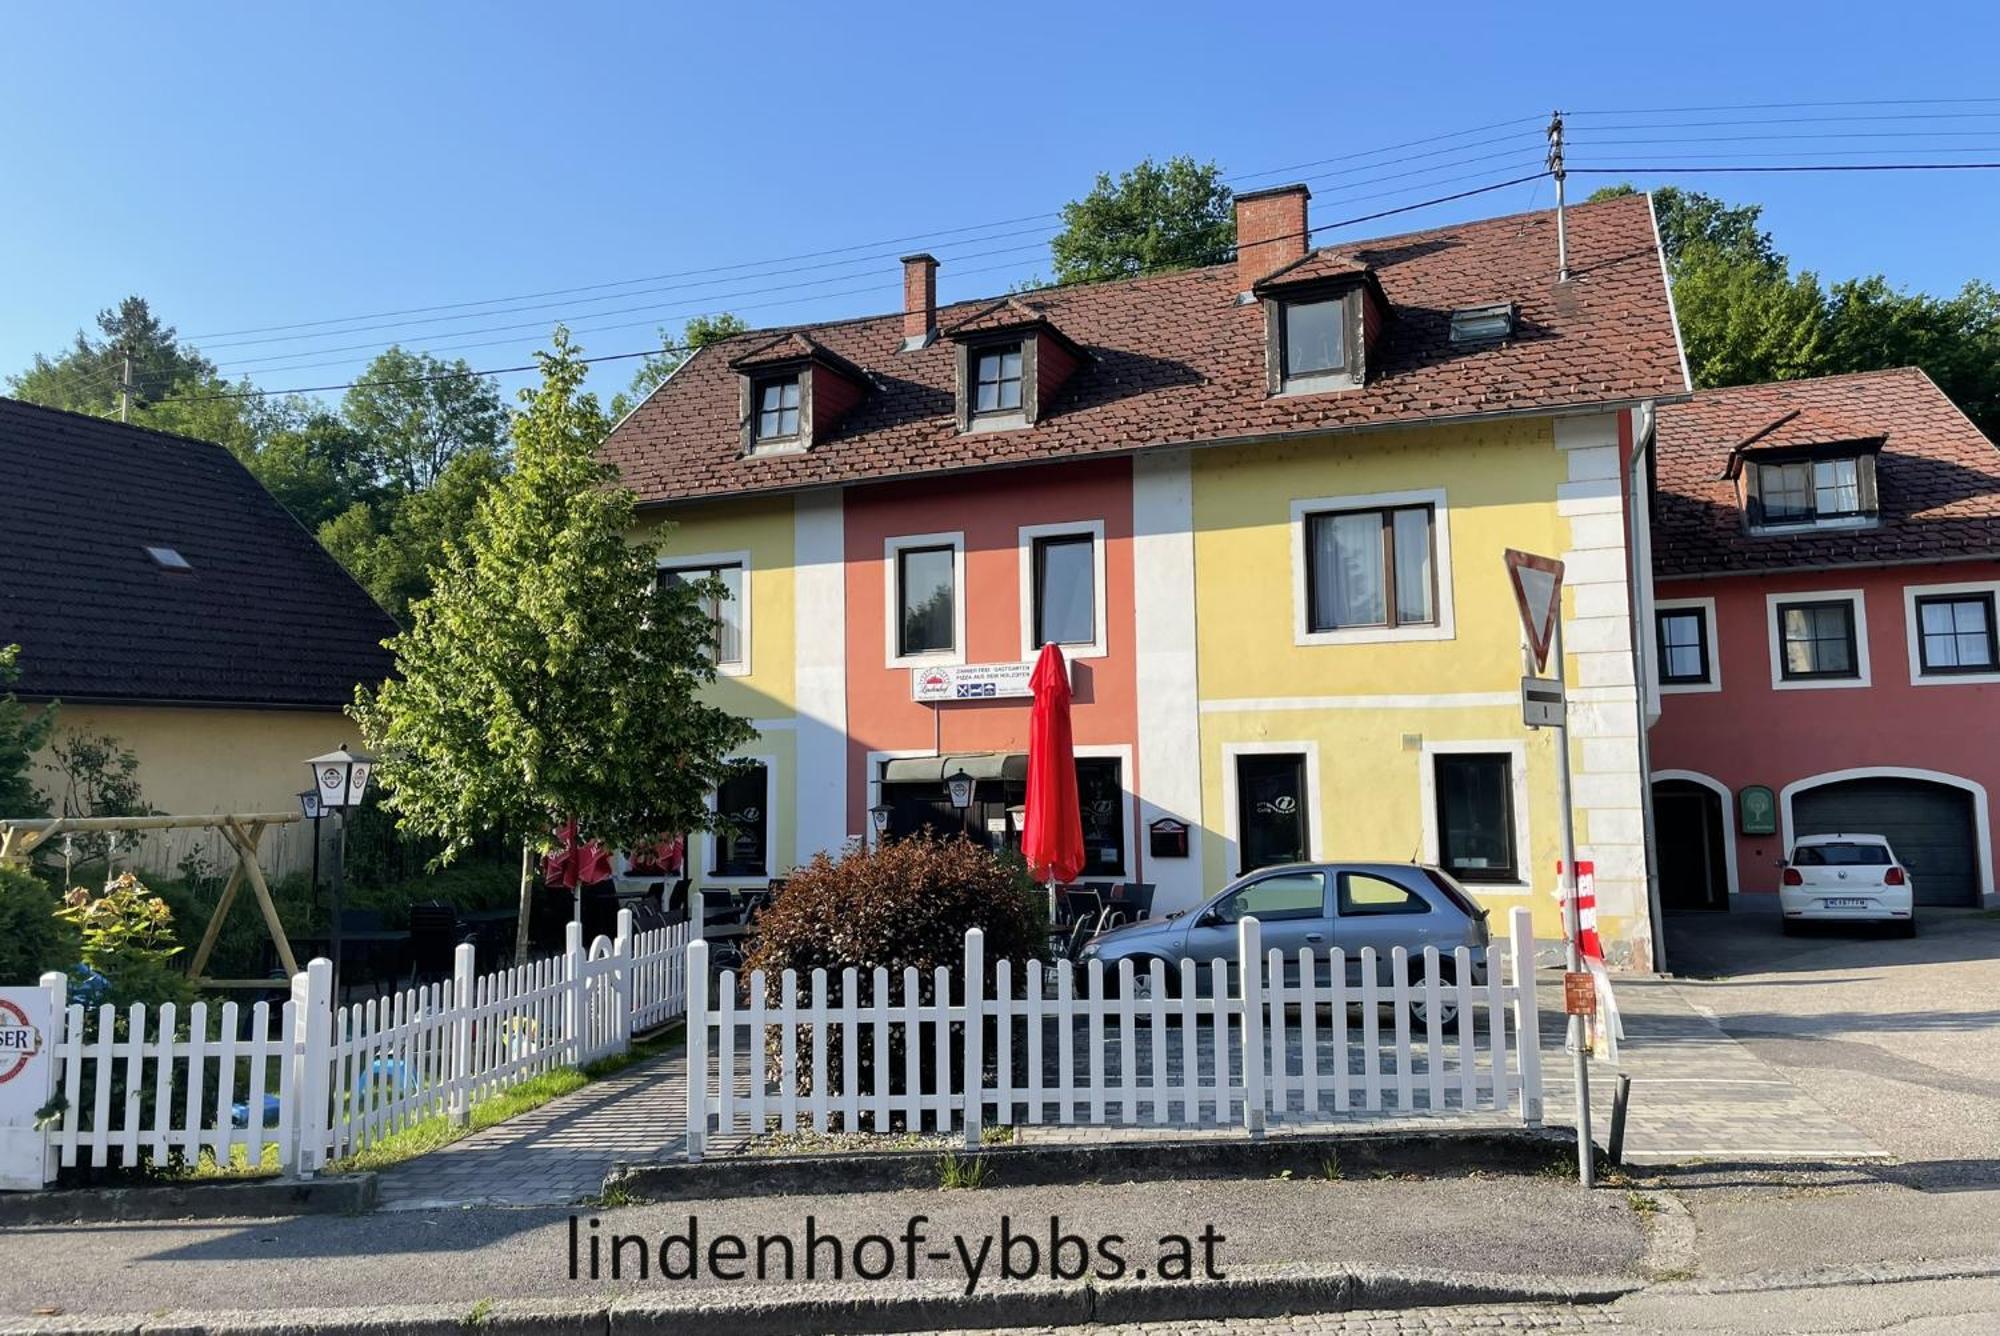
996	380
778	409
1315	337
1801	492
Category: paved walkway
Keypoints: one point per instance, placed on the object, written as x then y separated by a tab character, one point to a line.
1697	1095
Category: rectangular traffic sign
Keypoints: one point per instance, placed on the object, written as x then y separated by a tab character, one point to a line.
1542	703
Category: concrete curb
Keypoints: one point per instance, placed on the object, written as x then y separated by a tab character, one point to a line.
339	1194
1902	1273
1520	1151
848	1311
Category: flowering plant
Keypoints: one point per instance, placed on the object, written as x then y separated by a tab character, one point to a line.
128	940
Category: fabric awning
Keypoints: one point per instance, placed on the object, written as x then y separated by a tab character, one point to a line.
933	769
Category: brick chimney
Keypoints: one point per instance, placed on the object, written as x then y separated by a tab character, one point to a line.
1270	232
919	300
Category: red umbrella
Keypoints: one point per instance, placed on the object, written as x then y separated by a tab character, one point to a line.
575	865
1052	839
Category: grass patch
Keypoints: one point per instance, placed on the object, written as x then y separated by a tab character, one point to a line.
955	1172
653	1046
431	1134
1642	1204
1329	1168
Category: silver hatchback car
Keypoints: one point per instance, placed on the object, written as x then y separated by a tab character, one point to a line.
1316	905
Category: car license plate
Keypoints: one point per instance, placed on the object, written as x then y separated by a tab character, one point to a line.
1844	904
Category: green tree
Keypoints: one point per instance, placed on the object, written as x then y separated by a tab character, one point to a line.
23	733
1956	340
86	377
1743	323
418	413
390	544
1157	216
697	333
1688	218
550	675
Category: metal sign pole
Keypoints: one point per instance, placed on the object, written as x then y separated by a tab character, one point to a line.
1586	1167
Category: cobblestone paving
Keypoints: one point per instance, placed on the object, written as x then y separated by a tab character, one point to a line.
1472	1317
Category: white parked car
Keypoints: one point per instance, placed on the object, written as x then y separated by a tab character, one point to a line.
1846	879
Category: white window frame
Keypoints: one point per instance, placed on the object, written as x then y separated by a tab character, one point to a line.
892	599
1516	750
1121	753
668	561
1232	847
1443	629
709	876
1913	631
1775	641
1095	648
1706	606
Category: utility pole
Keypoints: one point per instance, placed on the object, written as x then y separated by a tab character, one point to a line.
125	391
1556	170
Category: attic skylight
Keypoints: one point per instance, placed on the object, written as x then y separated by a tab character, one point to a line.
168	559
1479	324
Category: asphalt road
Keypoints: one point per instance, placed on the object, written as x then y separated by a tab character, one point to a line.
1899	1037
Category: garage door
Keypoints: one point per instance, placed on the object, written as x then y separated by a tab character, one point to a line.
1930	826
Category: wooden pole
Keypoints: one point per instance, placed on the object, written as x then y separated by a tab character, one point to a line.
527	893
215	917
246	840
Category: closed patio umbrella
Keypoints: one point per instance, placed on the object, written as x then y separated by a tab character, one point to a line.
1052	833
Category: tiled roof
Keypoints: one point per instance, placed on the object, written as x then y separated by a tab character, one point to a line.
1325	263
1174	359
263	617
1008	313
1806	425
1937	477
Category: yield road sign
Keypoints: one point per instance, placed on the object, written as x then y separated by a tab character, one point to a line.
1537	585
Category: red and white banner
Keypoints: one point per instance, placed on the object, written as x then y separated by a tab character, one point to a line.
1604	1029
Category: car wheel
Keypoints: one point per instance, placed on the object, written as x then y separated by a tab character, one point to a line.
1789	927
1447	1007
1142	973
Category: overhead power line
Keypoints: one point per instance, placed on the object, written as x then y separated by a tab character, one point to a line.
1799	167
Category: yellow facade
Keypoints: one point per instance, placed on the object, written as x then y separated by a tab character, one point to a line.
1370	713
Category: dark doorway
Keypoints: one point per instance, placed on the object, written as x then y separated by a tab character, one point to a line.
1271	809
1693	855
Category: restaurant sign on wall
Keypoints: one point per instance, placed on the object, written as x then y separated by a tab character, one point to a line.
971	681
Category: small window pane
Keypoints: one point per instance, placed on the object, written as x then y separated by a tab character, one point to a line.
1347	571
778	409
997	381
926	580
726	613
1836	491
1289	895
1957	633
1476	817
1362	895
1413	566
1065	590
1683	647
741	803
1314	336
1787	491
1818	639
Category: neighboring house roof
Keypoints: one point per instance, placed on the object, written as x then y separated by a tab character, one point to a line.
261	617
1937	477
1175	359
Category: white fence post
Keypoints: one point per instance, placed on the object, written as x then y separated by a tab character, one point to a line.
575	1009
621	978
459	1094
312	1074
697	1048
975	1037
56	985
1527	1014
1249	956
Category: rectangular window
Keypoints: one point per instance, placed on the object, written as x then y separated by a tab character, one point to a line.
1371	568
1475	817
1100	795
926	593
742	804
1836	488
1683	646
1271	809
778	409
1315	337
1955	634
1805	491
996	380
725	612
1816	640
1065	589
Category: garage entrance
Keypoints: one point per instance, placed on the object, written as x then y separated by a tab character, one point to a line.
1930	826
1693	859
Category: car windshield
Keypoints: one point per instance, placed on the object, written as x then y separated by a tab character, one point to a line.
1841	855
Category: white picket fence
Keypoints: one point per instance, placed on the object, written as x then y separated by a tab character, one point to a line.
1276	1044
344	1078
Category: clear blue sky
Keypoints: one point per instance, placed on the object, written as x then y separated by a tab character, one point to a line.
249	165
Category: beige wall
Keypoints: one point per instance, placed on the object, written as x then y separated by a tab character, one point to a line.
197	762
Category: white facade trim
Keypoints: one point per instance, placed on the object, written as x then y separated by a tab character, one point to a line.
1913	631
1777	649
819	648
1315	826
1440	700
1706	606
892	601
1168	782
1516	750
1728	816
675	561
1095	647
1442	629
1981	811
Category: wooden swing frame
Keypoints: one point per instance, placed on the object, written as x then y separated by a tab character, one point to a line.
243	830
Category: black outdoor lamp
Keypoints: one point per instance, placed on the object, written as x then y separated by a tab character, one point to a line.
959	785
339	779
879	814
310	809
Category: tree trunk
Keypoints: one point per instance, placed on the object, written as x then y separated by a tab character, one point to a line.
527	894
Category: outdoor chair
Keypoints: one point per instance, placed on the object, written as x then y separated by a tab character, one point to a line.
435	934
1133	899
1080	932
676	905
1084	906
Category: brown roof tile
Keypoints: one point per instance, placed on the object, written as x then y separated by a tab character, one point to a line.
1937	477
1174	359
